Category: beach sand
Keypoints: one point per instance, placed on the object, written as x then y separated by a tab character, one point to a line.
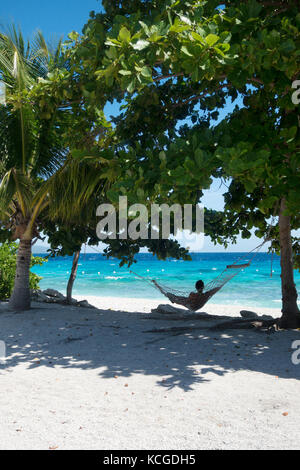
78	378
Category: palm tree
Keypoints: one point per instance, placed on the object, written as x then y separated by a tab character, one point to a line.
40	179
31	149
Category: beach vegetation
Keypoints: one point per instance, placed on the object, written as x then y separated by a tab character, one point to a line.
8	260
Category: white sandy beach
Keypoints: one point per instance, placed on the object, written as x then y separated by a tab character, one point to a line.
78	378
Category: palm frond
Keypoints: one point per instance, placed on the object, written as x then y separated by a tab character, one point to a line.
73	191
18	130
20	65
15	70
24	191
7	191
15	186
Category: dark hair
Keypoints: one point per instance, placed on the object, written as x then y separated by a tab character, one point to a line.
199	285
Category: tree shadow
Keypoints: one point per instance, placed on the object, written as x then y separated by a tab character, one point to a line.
115	344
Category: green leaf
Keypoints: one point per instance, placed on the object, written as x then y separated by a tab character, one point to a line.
212	39
225	37
197	37
199	157
185	19
124	35
185	51
292	134
112	42
131	86
155	37
73	35
125	72
140	193
113	195
146	72
195	75
140	45
287	47
250	186
190	166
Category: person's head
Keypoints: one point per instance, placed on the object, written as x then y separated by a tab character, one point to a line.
199	285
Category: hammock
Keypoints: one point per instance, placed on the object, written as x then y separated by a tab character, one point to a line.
194	301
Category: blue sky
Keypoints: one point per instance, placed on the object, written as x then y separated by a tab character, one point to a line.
59	17
53	18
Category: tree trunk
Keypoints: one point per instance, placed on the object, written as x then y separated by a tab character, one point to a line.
290	311
72	276
20	298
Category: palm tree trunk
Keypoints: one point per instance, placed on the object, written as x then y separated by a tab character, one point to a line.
72	276
290	311
20	298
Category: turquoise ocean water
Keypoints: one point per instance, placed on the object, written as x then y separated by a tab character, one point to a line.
100	277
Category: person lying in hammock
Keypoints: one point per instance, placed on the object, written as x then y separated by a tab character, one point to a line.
195	300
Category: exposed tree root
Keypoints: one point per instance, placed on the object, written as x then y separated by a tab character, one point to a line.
234	324
244	324
186	316
248	320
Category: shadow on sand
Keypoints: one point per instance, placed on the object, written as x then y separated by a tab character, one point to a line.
116	344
